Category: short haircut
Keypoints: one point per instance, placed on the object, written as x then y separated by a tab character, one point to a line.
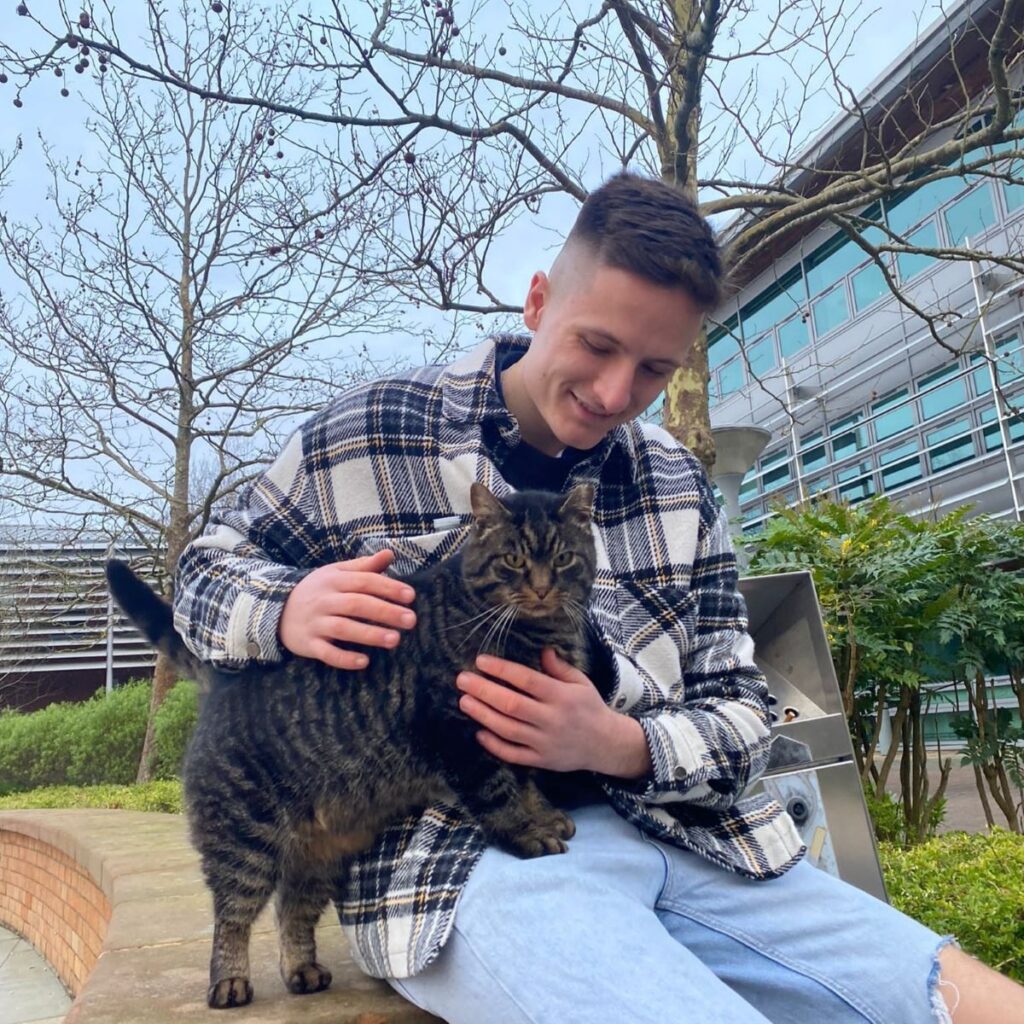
653	230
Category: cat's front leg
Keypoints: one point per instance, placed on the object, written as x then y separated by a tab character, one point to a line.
302	894
510	809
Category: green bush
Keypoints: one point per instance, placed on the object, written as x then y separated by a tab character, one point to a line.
98	741
174	724
889	818
153	796
969	886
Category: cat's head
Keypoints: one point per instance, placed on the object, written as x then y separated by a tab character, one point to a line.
534	550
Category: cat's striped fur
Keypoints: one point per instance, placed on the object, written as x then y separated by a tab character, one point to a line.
295	766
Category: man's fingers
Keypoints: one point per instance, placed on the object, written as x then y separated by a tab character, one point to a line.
506	702
369	582
370	609
338	657
352	631
510	729
522	678
376	562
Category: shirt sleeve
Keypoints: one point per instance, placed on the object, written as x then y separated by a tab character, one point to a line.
233	580
709	739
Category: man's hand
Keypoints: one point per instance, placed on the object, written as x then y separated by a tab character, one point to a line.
555	719
349	602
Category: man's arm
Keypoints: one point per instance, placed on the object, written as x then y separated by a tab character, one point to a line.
254	585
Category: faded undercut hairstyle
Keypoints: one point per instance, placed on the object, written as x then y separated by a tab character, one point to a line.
651	229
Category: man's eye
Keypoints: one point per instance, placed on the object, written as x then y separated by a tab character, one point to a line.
515	561
591	347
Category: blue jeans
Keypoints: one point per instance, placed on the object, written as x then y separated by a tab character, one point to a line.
626	930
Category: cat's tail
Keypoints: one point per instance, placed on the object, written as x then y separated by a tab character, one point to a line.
152	617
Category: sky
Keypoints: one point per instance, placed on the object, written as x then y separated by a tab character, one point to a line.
522	248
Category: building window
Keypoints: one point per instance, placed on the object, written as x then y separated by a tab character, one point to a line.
846	442
900	465
868	286
721	347
761	355
831	310
778	308
913	263
793	336
860	485
812	452
775	471
907	210
893	414
936	398
950	445
730	378
1009	361
1014	428
969	217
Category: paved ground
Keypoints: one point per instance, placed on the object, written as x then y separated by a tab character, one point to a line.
30	993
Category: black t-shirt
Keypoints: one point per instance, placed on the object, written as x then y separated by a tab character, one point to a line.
528	468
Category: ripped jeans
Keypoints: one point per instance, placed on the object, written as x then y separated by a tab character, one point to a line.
626	929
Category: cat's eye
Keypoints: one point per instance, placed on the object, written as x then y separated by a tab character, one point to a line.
515	561
563	558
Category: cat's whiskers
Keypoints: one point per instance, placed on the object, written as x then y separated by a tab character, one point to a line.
508	612
488	611
485	617
509	621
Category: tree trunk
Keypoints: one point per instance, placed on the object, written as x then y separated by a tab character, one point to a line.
164	678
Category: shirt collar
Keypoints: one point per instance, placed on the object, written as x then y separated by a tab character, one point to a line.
470	396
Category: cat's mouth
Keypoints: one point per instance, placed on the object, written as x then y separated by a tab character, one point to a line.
540	607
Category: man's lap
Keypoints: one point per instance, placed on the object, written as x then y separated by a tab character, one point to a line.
625	928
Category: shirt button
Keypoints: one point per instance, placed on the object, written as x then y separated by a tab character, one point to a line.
252	649
679	773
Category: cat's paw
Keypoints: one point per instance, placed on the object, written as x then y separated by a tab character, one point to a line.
560	824
538	841
308	978
228	992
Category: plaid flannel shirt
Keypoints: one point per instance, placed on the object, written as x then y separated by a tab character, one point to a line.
389	464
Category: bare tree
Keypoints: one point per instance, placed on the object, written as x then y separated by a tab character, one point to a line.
468	120
187	300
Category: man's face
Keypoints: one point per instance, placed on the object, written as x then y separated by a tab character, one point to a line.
605	343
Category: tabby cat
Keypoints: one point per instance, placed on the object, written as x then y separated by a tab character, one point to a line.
295	766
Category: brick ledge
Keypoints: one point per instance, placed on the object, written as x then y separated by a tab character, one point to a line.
122	891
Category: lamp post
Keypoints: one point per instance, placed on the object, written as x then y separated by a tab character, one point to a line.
736	450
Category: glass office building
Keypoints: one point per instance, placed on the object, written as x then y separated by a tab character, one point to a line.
862	395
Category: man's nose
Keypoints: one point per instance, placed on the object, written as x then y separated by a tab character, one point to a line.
613	389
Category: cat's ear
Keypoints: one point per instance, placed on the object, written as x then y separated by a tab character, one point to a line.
579	504
487	509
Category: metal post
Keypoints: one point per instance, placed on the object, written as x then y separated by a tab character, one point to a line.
110	630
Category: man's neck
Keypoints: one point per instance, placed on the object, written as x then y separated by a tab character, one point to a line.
532	428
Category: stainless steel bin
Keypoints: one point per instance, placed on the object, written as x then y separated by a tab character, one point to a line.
816	778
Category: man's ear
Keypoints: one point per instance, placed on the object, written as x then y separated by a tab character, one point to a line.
536	299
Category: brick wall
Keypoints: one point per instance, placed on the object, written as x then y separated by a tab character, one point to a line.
54	903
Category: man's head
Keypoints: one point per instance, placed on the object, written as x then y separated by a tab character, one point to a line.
623	303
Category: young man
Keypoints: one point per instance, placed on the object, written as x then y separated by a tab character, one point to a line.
679	899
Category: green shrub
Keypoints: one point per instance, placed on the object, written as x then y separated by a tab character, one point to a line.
969	886
889	818
153	796
173	726
94	742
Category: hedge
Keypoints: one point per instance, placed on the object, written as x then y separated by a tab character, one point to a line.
164	795
93	742
967	885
